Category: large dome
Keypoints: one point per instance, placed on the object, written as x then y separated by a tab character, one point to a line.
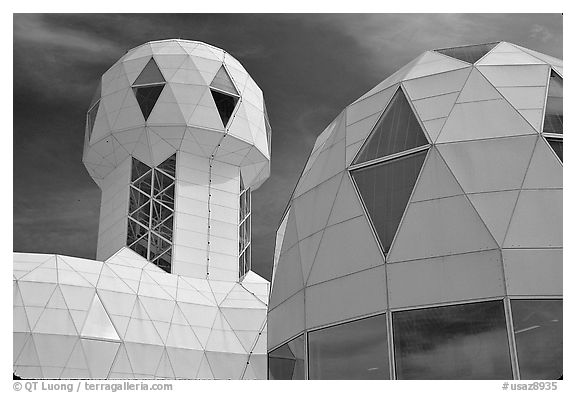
432	208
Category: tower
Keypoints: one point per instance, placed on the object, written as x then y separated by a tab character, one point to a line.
177	136
424	237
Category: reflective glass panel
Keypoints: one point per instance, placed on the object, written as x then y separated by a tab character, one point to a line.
287	361
169	166
467	341
223	82
396	131
553	117
92	112
470	54
147	97
225	104
538	333
353	350
558	147
385	189
150	74
139	169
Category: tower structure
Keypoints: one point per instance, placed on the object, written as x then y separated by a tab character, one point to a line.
424	236
177	136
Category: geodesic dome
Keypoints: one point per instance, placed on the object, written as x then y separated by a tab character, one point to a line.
183	95
423	239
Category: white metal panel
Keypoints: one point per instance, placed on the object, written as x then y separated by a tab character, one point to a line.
435	107
369	106
436	180
489	165
445	279
483	119
545	170
434	85
495	209
477	88
281	328
289	278
533	272
516	75
537	220
345	248
439	227
525	97
347	297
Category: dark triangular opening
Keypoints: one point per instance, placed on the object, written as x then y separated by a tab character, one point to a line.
385	189
397	130
225	104
150	74
169	165
553	117
470	54
92	112
558	146
147	97
138	169
223	82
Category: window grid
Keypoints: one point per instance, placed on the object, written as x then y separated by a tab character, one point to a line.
151	211
244	231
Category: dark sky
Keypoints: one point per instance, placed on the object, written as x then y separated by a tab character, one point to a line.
309	67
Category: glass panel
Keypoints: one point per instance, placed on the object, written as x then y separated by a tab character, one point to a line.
385	189
558	147
92	112
470	54
165	228
138	169
167	197
141	246
225	105
164	261
159	214
287	361
158	246
553	117
354	350
161	182
538	332
169	166
144	183
467	341
147	97
397	130
248	259
137	200
135	231
142	214
223	82
150	74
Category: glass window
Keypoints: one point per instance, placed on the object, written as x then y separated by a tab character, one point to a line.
385	189
92	112
553	117
558	146
353	350
538	333
244	230
287	361
150	74
151	212
147	97
467	341
470	54
397	130
225	104
223	82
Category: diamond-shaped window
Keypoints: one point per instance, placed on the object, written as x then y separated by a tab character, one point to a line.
470	54
148	87
224	94
397	130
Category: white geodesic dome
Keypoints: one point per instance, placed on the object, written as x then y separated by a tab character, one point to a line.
440	186
171	95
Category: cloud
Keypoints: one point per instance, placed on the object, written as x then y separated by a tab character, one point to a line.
541	33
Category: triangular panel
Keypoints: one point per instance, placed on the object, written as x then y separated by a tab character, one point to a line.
223	82
150	74
385	190
495	209
397	130
470	54
98	324
553	117
225	104
436	180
